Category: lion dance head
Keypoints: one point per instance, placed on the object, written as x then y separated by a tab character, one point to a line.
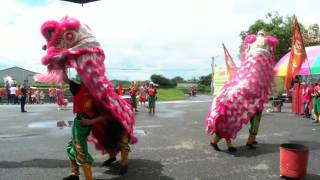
63	40
260	41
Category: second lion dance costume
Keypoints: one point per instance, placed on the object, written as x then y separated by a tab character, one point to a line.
98	108
242	98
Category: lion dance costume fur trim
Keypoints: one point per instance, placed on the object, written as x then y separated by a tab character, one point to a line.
247	92
71	45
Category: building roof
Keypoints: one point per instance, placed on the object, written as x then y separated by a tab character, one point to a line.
16	67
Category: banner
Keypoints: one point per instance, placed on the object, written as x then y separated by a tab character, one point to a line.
220	78
297	56
231	66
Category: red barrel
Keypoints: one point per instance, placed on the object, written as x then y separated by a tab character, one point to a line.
293	160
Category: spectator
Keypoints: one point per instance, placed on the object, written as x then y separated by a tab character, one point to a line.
316	103
193	91
52	95
13	90
30	95
18	95
37	96
42	96
60	97
133	91
142	95
307	98
23	90
8	91
120	91
152	92
1	93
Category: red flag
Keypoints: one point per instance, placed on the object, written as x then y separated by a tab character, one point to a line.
297	56
231	66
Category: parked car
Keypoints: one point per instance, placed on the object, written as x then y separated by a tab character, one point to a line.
287	98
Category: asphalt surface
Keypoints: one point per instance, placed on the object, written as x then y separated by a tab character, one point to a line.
172	145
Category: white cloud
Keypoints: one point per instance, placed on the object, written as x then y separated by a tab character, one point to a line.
172	37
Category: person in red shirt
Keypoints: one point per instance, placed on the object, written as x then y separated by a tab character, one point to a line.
142	95
52	95
120	90
307	98
193	91
1	93
133	91
316	102
152	92
8	91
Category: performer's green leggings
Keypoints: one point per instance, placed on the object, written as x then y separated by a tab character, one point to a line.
255	123
152	101
134	101
77	148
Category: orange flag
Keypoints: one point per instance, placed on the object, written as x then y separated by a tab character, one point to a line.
231	66
297	56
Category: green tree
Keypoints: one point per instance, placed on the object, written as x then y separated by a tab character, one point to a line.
163	81
178	79
205	80
277	26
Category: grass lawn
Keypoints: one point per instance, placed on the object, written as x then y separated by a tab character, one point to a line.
170	94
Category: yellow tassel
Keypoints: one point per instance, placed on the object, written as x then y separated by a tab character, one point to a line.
124	157
216	139
87	171
74	168
251	139
229	143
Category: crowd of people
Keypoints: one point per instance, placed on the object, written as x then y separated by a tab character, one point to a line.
143	95
14	94
140	94
311	100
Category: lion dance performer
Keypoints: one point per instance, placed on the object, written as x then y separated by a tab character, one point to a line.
243	97
98	109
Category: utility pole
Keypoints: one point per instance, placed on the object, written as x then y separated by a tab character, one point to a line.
212	77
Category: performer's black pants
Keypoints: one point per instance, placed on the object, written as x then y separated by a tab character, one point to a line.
23	102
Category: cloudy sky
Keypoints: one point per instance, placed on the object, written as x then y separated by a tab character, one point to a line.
142	37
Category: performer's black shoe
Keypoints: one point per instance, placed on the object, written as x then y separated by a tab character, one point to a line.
123	169
255	142
109	161
23	111
71	177
232	149
215	146
251	146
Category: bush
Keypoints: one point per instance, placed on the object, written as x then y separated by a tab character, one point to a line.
163	81
203	89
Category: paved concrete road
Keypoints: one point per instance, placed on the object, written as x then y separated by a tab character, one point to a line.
172	145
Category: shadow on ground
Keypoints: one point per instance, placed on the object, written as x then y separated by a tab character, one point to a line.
312	177
243	151
308	177
39	163
139	169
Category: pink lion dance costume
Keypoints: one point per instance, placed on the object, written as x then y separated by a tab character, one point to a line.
71	45
243	97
